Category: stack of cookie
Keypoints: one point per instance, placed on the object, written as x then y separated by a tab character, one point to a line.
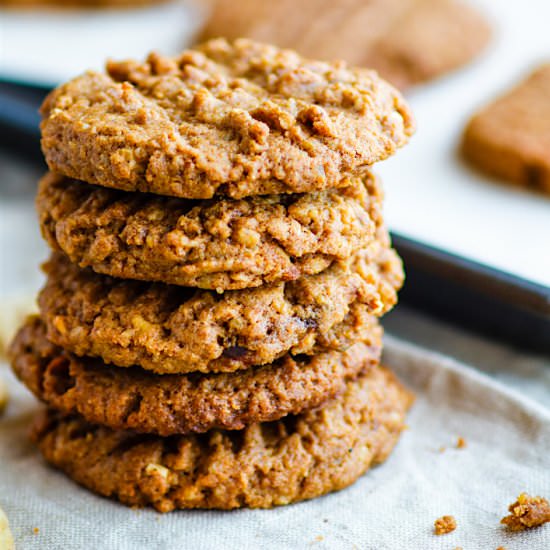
208	333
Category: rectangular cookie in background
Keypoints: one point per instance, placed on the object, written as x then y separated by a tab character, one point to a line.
510	138
408	41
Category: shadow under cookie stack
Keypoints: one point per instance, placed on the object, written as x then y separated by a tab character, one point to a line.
208	333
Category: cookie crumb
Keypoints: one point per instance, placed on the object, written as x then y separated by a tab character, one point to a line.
36	530
501	548
527	513
460	443
444	525
4	396
442	449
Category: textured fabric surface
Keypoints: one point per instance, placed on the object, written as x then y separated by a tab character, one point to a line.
393	506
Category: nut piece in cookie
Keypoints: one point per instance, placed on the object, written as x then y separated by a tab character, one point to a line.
6	538
510	138
527	512
408	41
225	118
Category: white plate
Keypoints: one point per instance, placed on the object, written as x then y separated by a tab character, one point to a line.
48	47
433	197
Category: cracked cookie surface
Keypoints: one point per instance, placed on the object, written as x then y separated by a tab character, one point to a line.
266	464
178	404
171	329
236	119
217	244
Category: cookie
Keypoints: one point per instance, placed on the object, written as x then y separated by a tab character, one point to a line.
408	41
264	465
170	329
235	119
179	404
222	245
431	38
510	138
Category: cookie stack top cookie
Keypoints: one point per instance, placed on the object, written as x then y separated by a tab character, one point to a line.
220	262
235	119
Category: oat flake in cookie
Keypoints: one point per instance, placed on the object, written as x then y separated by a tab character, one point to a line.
231	118
218	244
266	464
179	403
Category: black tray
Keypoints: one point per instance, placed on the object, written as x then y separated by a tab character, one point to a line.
459	290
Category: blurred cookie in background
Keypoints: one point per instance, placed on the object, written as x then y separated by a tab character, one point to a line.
407	41
510	138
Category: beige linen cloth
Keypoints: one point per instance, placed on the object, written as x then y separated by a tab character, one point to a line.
393	506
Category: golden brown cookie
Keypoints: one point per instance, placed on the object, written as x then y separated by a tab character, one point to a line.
510	138
170	329
218	244
408	41
239	119
264	465
178	403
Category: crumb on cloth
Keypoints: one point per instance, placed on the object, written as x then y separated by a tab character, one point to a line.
460	443
527	513
444	525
